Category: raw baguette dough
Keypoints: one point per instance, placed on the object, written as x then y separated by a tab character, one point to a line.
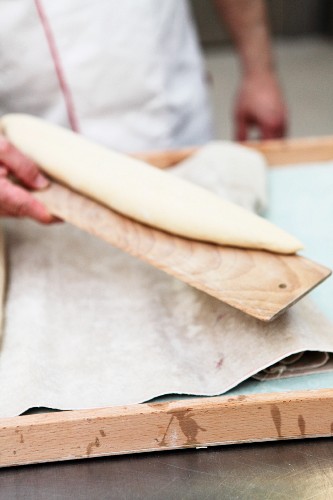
141	191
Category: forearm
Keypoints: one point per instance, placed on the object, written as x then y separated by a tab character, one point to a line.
259	101
248	25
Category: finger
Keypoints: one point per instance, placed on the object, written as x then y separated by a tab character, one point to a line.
283	129
21	166
267	134
3	171
273	127
54	220
241	127
276	131
17	202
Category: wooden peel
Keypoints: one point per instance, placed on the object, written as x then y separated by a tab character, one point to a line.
259	283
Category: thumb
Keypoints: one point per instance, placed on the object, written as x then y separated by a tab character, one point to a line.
240	133
22	167
17	202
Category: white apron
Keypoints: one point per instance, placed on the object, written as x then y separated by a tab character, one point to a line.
126	73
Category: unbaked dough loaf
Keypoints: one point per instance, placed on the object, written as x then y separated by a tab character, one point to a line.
141	191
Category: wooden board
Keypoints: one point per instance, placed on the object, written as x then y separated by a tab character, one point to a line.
193	423
259	283
277	152
197	422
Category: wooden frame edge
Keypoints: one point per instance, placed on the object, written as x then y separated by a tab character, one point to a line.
277	152
192	423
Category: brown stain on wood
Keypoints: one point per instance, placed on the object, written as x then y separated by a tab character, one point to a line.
187	424
276	416
102	433
158	406
163	441
237	398
301	424
93	444
17	431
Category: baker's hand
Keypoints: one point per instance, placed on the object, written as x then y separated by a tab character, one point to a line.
15	201
260	105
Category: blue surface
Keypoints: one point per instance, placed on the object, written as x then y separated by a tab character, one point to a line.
301	201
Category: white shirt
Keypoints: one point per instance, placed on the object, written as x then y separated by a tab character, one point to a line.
126	73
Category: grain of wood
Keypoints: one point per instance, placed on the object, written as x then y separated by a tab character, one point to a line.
165	426
259	283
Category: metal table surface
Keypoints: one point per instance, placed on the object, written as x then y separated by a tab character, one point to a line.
288	469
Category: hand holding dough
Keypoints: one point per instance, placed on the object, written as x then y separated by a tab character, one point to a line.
140	191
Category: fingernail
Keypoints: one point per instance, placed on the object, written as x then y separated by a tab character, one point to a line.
41	182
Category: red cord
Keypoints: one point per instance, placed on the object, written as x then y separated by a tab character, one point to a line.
58	67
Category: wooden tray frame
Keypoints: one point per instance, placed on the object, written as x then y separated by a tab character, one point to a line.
188	423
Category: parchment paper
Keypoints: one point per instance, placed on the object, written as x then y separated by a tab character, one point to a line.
89	326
